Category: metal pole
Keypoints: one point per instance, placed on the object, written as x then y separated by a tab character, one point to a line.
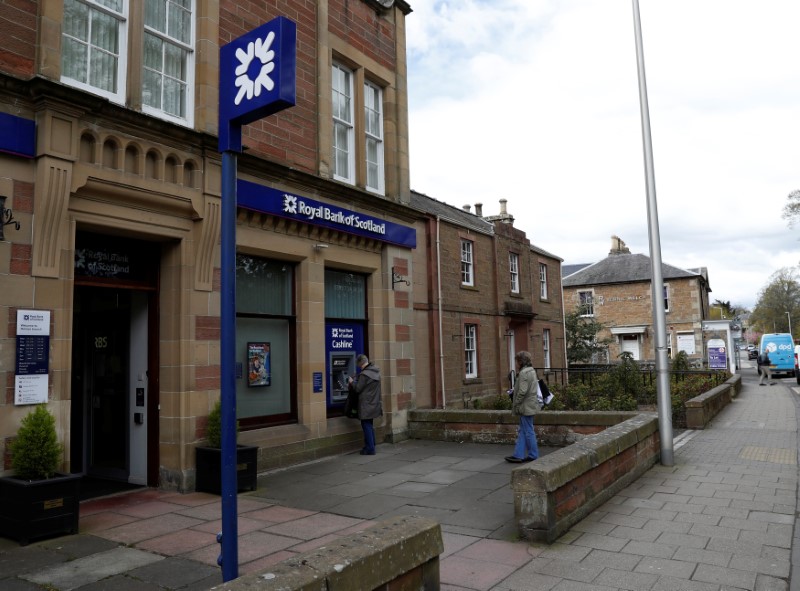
657	285
229	559
790	322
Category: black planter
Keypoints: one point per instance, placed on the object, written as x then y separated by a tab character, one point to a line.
208	470
32	509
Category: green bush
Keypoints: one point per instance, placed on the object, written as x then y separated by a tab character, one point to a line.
214	427
36	452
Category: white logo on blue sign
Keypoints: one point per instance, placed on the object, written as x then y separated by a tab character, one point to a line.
259	49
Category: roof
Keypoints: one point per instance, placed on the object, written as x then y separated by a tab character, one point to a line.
543	252
622	268
449	213
567	270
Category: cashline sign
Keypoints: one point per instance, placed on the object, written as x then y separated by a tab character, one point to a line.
344	341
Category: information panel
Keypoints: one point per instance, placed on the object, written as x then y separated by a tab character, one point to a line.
32	357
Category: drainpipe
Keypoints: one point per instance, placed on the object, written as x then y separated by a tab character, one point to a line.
439	290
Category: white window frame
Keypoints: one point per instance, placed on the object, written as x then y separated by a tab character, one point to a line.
344	119
122	18
513	268
373	113
666	297
586	307
170	41
543	281
546	347
470	351
467	265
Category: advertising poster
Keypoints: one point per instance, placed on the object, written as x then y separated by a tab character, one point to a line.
258	366
717	355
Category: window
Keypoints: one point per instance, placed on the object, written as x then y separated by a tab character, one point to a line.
546	347
513	268
543	281
373	126
265	315
167	71
470	351
466	263
343	130
666	298
95	53
94	46
586	303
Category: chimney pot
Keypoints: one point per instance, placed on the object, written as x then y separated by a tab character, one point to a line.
479	210
503	210
466	207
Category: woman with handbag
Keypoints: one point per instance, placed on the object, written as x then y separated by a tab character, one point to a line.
525	403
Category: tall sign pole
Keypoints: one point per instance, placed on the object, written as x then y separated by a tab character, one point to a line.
657	283
257	78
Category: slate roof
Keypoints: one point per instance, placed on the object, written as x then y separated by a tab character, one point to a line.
621	268
449	213
567	270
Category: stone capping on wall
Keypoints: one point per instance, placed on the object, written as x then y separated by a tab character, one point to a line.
701	409
602	452
397	553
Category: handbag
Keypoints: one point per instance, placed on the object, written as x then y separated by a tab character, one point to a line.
544	394
351	404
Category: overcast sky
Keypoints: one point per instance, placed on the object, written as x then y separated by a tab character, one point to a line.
537	102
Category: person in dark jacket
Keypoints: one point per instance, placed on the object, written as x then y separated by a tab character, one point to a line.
525	404
368	387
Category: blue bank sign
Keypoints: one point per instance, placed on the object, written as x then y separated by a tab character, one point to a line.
257	78
302	209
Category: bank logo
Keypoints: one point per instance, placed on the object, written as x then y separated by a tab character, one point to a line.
259	49
290	204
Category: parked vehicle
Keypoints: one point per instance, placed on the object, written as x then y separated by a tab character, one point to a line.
780	347
752	353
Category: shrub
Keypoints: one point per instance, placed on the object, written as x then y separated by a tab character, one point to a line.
214	427
36	452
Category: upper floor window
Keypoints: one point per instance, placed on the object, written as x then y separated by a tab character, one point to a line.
513	267
373	126
167	71
343	128
546	347
94	46
543	281
666	298
586	303
467	275
470	351
96	54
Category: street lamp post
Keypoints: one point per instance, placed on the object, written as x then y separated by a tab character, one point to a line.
790	322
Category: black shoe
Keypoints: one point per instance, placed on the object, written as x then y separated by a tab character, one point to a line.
526	460
514	460
762	384
364	452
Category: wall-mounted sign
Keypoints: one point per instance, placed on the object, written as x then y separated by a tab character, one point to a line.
32	357
302	209
108	257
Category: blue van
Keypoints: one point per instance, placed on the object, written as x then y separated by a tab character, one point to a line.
780	347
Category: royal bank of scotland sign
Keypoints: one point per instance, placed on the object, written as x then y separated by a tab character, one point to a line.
257	78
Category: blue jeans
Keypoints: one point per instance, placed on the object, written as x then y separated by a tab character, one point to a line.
369	435
526	440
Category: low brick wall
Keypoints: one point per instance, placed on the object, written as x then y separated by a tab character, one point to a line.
701	409
393	555
602	452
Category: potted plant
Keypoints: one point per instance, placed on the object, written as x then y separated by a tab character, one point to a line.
208	459
37	501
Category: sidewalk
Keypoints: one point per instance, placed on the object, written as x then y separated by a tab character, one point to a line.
721	518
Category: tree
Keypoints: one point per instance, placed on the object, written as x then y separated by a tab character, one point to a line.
721	310
791	211
582	341
779	296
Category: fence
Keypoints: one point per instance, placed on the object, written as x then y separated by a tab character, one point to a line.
586	374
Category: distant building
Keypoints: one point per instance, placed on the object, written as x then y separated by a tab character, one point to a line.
616	291
482	292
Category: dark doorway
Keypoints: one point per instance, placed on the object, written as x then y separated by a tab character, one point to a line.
101	340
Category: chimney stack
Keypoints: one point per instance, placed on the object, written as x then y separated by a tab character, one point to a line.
618	246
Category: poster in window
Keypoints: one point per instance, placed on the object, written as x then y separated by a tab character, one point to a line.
258	366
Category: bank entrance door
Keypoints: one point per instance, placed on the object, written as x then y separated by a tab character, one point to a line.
114	417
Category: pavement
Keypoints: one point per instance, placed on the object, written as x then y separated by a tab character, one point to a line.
721	518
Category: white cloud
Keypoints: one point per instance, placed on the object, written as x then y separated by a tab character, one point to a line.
536	101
